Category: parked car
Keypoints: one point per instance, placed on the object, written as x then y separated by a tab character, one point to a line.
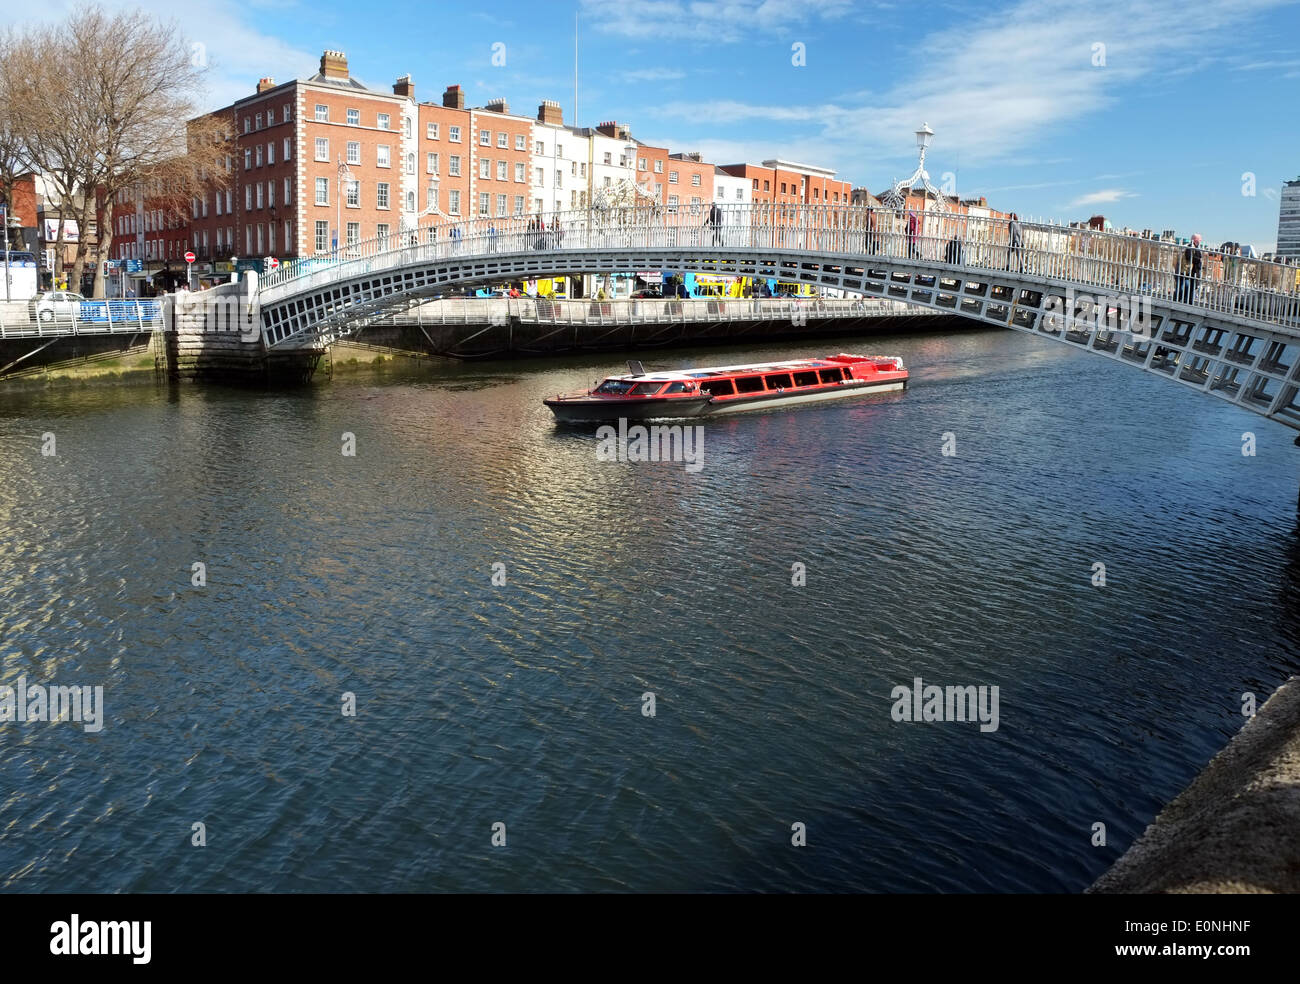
57	305
649	293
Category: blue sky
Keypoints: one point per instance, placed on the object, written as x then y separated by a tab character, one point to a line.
1156	129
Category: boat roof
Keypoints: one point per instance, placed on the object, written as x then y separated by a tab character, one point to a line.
788	365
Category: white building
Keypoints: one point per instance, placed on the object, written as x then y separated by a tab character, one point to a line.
558	182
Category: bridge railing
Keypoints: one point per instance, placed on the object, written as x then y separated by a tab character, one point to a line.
24	319
1109	262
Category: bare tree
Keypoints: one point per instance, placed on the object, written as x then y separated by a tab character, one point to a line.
15	159
107	104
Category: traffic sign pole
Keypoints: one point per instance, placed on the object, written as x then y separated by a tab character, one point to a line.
189	270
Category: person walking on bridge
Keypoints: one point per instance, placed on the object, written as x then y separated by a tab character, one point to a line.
1189	271
715	223
1015	243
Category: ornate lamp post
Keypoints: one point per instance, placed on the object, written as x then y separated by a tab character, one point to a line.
896	197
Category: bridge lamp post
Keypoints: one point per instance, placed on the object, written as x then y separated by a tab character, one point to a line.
344	175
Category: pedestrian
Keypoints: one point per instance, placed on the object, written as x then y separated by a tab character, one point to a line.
492	238
872	245
1189	271
1015	242
952	255
715	220
557	233
913	230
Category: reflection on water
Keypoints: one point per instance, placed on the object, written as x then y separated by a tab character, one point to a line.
522	702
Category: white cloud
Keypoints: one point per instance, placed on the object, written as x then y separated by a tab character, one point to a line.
726	21
1103	197
653	75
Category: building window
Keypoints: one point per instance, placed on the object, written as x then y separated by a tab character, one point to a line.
270	152
322	236
381	156
354	233
383	121
501	205
287	145
410	163
484	201
261	233
431	163
322	113
453	166
322	191
431	131
354	194
248	158
484	168
259	194
248	200
521	142
354	151
640	163
672	203
258	155
381	195
288	196
503	140
410	201
519	173
270	194
431	198
257	122
381	231
270	236
453	202
501	171
247	126
406	127
288	112
740	194
659	167
354	117
453	134
672	177
322	148
519	204
559	178
217	196
609	158
695	180
540	148
539	177
766	186
485	138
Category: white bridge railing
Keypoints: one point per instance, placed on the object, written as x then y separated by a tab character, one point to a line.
1255	290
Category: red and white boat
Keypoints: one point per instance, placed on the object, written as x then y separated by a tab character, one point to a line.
642	395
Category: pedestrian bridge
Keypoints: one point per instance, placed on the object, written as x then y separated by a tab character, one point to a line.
1228	326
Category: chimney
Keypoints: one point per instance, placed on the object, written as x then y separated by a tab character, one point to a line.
549	112
608	128
692	156
497	106
334	65
404	87
453	98
266	83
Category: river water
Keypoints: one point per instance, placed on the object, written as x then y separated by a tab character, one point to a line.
522	703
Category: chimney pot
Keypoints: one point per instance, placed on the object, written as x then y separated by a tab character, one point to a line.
334	65
453	97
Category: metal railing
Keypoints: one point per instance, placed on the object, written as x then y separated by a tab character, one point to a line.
1209	280
636	311
27	319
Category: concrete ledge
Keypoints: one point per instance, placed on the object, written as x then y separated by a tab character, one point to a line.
1236	828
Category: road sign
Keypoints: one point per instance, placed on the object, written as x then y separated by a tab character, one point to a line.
134	266
189	257
272	262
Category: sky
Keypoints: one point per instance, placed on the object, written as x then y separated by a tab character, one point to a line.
1155	113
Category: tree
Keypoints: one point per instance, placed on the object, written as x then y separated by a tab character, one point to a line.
105	110
15	159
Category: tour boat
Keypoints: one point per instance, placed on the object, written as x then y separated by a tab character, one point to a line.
642	395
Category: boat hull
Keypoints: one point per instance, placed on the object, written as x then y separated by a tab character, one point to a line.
598	411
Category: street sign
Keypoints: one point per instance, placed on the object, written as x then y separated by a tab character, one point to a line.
272	262
242	265
134	266
189	257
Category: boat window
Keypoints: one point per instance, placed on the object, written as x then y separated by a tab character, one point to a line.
676	388
645	389
832	375
719	387
805	379
779	381
749	384
613	387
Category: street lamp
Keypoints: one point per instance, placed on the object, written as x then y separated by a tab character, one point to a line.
344	175
896	197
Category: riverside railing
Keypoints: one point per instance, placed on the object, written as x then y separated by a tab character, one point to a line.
1203	279
29	319
636	311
